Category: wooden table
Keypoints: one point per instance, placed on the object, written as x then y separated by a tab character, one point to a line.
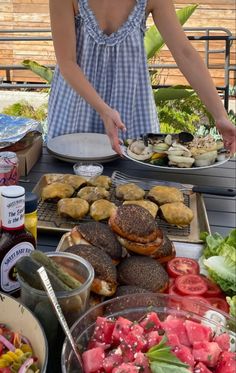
220	210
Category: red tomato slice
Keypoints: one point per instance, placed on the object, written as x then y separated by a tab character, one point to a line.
219	303
174	291
190	285
195	306
199	297
182	266
213	290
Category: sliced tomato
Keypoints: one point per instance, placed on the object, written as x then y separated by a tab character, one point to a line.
174	291
199	297
213	290
190	285
219	303
192	304
182	266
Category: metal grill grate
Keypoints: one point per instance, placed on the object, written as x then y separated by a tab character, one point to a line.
47	211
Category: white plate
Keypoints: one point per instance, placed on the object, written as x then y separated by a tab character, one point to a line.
82	146
124	149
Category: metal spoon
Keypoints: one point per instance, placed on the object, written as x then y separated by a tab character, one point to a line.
52	297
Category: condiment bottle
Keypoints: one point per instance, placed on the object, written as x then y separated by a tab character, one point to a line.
15	240
31	219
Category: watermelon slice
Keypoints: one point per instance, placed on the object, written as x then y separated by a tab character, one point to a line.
184	354
226	363
122	328
197	332
173	325
126	368
223	341
93	360
112	360
201	368
151	322
206	352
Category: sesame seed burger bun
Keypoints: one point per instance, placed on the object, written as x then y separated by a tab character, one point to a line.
128	289
100	235
165	252
105	279
143	272
134	223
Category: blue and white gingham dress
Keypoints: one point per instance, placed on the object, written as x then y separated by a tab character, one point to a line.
116	66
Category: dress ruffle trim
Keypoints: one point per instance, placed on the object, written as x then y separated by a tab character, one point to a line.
135	19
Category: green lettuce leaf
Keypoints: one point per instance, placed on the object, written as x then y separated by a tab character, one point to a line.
231	239
222	273
232	305
215	244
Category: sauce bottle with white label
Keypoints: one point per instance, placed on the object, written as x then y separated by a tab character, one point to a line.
15	240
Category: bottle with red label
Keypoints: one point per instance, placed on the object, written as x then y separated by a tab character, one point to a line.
15	240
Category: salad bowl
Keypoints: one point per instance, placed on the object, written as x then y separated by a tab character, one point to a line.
19	320
134	308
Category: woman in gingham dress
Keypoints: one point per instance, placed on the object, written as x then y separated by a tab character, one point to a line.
101	83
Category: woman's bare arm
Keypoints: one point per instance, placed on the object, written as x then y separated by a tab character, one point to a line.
191	65
62	15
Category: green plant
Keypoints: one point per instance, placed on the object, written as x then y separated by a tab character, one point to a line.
184	114
43	71
24	109
232	90
153	40
232	117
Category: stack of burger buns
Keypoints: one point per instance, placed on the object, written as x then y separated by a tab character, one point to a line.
137	231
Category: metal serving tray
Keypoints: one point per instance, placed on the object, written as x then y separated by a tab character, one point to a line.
48	218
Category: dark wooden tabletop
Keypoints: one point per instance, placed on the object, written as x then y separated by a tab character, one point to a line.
220	210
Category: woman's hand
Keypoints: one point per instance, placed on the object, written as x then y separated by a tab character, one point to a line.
113	123
228	132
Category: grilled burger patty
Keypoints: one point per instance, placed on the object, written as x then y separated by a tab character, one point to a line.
149	248
134	223
143	272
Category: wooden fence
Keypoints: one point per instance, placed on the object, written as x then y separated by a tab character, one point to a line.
34	14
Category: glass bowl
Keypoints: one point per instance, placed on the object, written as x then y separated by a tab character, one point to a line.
73	302
88	169
134	307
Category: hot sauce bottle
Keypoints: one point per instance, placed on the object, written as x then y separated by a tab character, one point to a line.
15	240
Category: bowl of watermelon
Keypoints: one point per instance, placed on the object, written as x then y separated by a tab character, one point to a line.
152	333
